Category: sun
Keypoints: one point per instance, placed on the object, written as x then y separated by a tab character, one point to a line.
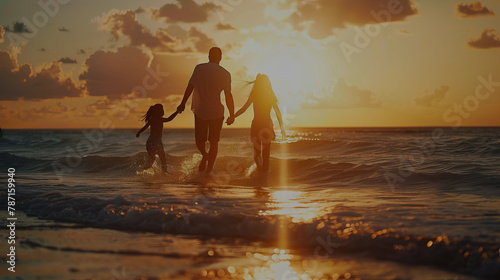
291	69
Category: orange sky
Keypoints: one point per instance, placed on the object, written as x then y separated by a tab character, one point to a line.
331	62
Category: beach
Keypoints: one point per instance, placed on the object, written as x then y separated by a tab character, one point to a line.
339	203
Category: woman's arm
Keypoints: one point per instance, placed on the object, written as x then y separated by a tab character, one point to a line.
171	117
245	107
280	119
142	129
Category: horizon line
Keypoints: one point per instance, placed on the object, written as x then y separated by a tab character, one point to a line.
293	127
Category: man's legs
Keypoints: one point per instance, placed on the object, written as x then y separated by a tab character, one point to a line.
201	132
215	126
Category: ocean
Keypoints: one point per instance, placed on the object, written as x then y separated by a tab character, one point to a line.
339	203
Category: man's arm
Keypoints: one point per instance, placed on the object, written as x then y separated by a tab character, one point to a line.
187	94
230	106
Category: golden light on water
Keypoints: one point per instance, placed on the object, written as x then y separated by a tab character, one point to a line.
294	205
277	266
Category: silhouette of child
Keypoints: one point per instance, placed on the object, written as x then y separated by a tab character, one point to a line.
262	133
154	145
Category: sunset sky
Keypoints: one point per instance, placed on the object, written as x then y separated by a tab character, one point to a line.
341	63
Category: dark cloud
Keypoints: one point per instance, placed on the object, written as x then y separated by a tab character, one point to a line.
320	17
125	23
42	49
432	99
63	29
222	26
489	39
139	10
344	96
19	81
67	60
186	11
18	27
112	74
117	74
473	9
172	39
201	41
81	51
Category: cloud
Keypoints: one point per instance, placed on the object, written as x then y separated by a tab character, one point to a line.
112	74
120	73
2	32
185	11
18	27
42	49
200	40
63	29
139	10
81	51
489	39
320	17
67	60
432	99
172	39
473	9
222	26
19	81
344	96
125	23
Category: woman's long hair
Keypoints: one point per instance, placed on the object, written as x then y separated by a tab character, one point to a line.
262	90
153	110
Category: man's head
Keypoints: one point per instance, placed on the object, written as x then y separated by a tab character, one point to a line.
215	55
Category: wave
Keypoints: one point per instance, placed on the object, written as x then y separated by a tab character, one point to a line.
321	237
240	170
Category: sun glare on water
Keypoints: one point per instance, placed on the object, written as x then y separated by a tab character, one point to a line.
293	204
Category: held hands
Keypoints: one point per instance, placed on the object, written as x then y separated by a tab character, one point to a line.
181	108
230	120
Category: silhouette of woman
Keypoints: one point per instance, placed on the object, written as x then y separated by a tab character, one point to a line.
262	133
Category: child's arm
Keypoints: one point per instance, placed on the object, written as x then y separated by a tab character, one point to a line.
142	129
280	119
171	117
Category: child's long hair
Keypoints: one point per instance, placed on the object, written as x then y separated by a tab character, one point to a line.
153	110
262	91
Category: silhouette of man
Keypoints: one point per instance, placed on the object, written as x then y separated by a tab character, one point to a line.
208	81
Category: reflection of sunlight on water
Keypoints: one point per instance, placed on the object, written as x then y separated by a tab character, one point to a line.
277	267
293	204
293	136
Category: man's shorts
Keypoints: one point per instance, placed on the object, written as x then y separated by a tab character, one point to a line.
207	129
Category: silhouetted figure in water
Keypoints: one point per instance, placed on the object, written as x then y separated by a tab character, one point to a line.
262	133
208	81
154	145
